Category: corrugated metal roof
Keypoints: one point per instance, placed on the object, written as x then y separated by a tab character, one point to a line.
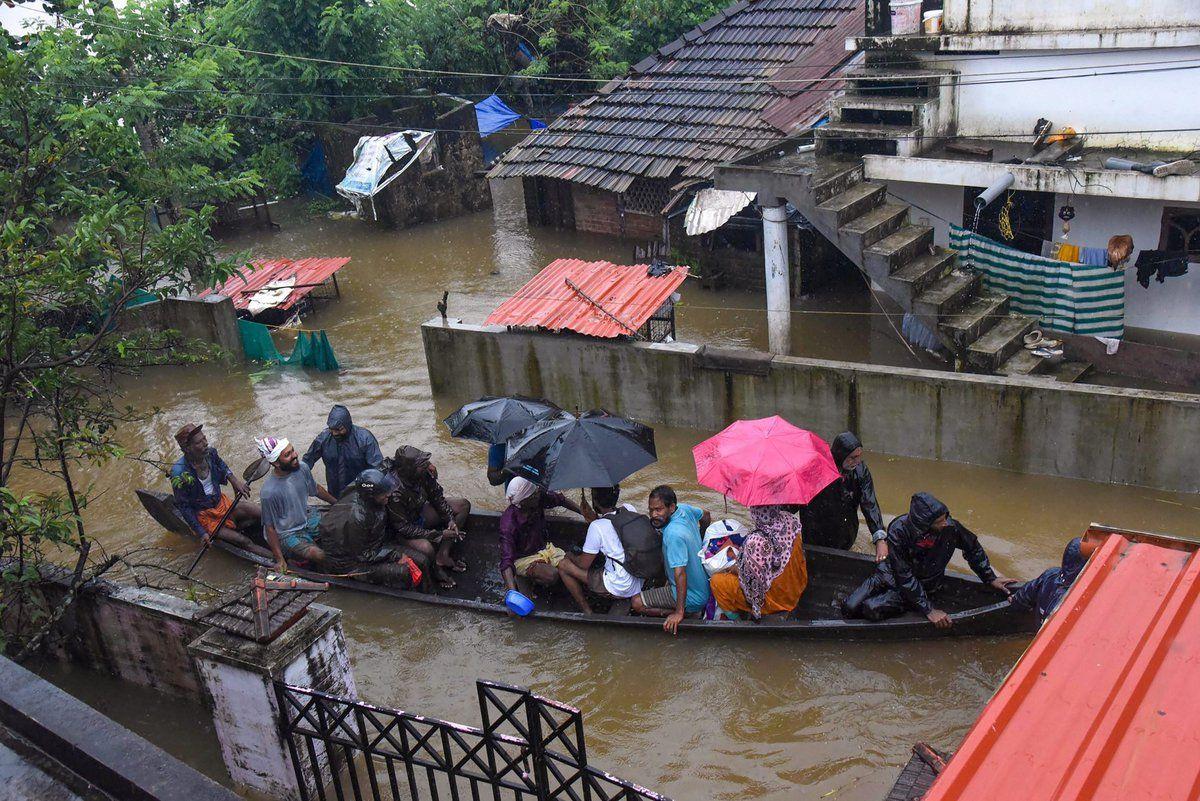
624	291
1104	705
656	122
309	273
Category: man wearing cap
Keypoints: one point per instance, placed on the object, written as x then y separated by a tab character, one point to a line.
346	449
197	478
290	526
354	533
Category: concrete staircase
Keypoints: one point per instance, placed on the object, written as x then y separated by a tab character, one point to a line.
901	112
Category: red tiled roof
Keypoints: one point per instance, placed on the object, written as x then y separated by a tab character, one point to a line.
1102	706
309	273
740	81
625	292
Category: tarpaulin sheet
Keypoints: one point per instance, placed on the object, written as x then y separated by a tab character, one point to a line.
712	208
374	160
493	115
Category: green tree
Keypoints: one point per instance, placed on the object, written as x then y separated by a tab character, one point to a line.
92	149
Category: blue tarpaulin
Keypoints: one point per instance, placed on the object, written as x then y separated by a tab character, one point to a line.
316	178
493	115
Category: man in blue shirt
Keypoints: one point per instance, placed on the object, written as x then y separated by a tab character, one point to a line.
686	592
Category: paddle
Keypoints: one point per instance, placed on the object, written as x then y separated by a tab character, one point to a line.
256	470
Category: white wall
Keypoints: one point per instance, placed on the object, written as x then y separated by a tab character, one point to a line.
1173	305
977	16
1006	96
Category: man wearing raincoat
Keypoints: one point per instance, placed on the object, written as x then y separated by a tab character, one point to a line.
346	449
831	519
920	546
1044	594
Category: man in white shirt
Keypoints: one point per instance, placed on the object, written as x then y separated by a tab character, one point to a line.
606	578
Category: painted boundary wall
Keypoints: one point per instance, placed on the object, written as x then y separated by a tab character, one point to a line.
1119	436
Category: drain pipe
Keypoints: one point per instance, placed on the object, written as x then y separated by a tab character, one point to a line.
998	187
775	256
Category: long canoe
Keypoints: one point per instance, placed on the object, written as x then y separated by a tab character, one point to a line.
974	608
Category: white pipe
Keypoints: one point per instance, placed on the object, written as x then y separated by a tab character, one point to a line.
779	300
994	191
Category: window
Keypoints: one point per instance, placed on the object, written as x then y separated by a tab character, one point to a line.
647	196
1181	231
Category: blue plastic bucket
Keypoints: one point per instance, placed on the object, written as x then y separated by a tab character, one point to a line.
518	603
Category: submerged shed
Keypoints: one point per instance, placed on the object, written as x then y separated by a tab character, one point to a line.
598	299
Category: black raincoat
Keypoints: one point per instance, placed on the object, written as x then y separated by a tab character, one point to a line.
831	519
1045	593
916	563
344	458
354	536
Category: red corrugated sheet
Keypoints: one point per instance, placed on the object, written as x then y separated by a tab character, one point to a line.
1105	703
309	274
626	292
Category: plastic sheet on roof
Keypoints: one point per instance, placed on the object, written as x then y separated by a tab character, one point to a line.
712	208
379	160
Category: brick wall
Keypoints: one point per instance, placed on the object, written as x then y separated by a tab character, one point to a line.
600	212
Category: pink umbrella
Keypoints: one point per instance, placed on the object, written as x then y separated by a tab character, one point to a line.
764	462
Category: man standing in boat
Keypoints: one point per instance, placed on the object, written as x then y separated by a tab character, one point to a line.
196	480
290	525
831	519
920	546
346	449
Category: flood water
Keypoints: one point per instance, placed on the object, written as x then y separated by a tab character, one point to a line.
697	717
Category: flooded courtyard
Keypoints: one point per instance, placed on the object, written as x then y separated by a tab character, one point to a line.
694	717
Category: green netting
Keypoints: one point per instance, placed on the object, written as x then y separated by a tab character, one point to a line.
312	348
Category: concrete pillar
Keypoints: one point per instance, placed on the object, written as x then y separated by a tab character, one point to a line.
775	255
239	675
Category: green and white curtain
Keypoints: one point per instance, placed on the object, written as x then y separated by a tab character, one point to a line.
1068	297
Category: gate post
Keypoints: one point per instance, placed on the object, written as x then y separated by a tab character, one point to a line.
239	676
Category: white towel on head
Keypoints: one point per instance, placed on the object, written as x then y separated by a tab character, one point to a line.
519	489
271	448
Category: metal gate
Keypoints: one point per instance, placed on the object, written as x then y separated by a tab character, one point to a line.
528	749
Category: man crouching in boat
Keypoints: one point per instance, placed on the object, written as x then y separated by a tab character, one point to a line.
525	551
289	523
197	478
354	533
920	546
420	513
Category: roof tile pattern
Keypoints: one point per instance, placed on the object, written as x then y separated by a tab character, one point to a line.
698	101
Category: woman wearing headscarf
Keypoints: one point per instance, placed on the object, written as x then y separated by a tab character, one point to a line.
831	519
771	572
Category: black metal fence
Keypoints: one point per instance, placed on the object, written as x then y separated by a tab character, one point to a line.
528	749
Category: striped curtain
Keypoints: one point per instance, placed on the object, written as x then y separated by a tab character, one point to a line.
1067	297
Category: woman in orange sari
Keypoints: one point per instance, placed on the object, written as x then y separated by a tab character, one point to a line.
771	572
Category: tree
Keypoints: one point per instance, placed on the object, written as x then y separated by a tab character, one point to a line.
94	142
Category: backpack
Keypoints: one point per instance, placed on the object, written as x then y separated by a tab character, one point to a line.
642	543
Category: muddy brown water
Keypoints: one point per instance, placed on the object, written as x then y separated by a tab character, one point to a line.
697	717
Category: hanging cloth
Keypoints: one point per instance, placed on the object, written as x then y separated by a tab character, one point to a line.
312	348
1070	297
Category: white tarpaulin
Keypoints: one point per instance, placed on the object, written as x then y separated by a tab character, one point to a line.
712	208
379	160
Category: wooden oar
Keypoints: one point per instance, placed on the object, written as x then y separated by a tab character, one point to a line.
252	473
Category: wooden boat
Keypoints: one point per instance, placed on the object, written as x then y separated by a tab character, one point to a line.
973	606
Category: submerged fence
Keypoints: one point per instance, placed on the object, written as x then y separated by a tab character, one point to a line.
528	749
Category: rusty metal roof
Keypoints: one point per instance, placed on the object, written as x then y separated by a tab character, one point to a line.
309	274
679	112
1103	704
625	294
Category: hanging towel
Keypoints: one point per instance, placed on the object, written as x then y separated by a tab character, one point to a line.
1074	298
1094	257
312	348
1068	252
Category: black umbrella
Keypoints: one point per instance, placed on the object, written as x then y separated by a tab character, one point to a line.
596	449
495	419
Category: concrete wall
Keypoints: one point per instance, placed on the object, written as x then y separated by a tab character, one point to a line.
980	16
992	98
212	319
1110	435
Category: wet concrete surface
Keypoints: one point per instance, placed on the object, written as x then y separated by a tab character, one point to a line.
692	717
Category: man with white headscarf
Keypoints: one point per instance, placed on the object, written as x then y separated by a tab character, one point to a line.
525	551
288	522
